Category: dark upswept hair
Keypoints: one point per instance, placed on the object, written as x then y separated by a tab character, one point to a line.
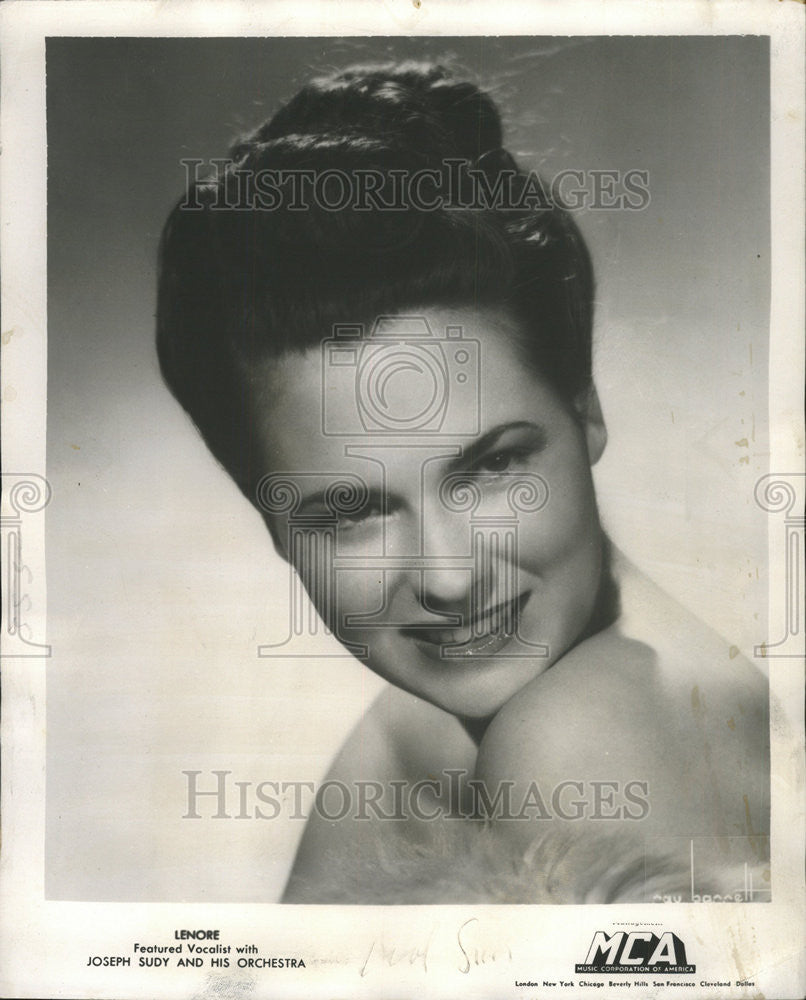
240	285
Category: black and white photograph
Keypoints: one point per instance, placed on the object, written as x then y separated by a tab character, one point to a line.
402	441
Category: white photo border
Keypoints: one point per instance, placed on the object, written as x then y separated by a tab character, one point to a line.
45	943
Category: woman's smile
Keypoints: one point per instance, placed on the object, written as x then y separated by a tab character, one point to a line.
486	634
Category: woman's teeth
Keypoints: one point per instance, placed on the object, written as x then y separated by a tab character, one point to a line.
486	634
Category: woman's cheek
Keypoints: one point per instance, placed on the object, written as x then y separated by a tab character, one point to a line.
564	526
359	592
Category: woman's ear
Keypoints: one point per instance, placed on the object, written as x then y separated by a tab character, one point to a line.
590	412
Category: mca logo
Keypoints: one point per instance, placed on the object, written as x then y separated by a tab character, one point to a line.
636	951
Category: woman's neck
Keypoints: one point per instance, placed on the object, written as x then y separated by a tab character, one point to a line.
607	606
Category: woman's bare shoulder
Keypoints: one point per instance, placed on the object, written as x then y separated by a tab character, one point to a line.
401	736
400	739
595	707
657	698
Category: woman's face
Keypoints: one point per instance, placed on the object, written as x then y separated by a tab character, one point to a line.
459	593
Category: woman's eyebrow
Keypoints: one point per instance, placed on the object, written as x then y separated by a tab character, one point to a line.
487	440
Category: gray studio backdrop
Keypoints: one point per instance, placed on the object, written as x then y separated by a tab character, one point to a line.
161	579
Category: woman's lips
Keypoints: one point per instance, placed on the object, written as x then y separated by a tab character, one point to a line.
485	635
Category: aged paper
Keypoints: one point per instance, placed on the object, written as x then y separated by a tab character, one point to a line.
172	704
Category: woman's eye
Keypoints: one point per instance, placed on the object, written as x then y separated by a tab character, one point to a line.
499	461
360	517
503	460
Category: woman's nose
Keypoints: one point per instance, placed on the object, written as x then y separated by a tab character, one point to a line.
447	587
448	580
